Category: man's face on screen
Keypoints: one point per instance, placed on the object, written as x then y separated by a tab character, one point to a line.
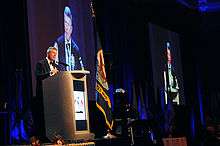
67	27
169	58
52	54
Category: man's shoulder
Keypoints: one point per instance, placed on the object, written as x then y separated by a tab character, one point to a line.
60	38
43	61
74	45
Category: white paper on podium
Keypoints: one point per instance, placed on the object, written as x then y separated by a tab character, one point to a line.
80	109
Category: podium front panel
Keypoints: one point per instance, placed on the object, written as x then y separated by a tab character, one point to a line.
80	105
58	110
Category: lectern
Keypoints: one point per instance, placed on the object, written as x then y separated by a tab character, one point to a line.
66	105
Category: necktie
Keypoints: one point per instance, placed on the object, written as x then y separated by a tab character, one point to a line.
68	56
68	46
51	64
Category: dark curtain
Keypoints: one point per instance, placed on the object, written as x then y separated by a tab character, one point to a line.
15	64
124	34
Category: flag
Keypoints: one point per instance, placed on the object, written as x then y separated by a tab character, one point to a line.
103	101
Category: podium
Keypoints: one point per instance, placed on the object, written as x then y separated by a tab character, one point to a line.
66	105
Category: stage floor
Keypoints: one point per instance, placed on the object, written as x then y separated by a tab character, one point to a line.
104	142
127	142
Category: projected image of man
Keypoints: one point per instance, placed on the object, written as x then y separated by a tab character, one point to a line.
68	50
170	79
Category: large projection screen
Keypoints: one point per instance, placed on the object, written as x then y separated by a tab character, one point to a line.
46	22
166	65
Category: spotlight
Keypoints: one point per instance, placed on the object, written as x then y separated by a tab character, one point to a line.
34	141
58	140
120	90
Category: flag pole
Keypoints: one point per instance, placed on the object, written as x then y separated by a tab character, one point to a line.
108	135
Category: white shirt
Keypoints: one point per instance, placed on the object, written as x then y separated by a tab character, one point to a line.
51	66
69	56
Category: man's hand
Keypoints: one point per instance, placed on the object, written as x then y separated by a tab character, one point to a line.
53	72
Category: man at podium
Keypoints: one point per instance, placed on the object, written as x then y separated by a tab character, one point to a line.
47	67
44	69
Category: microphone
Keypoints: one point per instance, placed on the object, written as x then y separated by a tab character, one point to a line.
62	63
81	63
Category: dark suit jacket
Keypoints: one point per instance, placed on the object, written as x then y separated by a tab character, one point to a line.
42	71
74	50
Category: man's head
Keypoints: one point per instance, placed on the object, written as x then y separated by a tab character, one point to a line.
52	53
169	57
168	53
68	27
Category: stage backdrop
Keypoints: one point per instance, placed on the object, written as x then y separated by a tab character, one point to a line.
46	25
160	40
